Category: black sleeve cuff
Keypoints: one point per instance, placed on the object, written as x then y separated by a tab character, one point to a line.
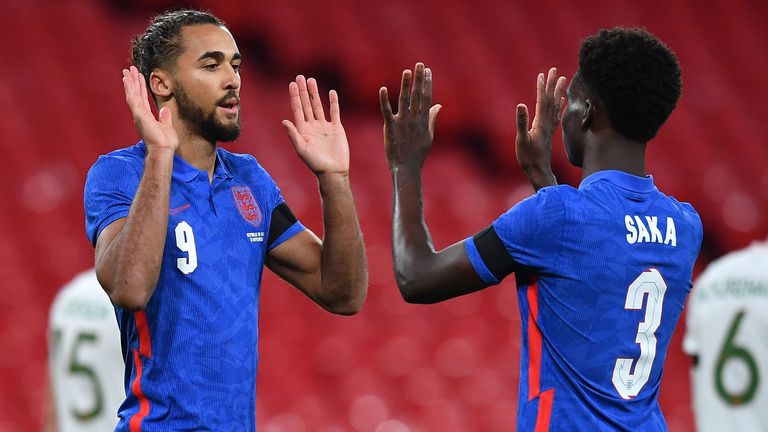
494	254
282	219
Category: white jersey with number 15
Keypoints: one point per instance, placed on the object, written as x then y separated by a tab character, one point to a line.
85	359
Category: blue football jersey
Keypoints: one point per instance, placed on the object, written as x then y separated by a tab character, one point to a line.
190	356
602	274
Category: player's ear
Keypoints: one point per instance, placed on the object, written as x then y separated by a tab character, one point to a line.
160	82
589	112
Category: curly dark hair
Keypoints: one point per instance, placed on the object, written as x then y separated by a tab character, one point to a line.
160	44
637	77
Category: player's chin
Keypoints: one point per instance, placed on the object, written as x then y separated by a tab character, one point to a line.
229	120
228	113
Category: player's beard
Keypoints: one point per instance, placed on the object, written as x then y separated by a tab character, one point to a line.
207	125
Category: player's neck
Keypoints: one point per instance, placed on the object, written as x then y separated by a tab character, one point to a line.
196	150
616	153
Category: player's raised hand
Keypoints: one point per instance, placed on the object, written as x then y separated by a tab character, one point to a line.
534	147
320	143
156	133
408	134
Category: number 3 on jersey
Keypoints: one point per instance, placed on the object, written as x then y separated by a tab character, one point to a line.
185	241
652	283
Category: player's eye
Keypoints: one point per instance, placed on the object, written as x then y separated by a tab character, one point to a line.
211	66
236	67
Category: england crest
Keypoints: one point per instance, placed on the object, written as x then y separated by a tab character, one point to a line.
247	205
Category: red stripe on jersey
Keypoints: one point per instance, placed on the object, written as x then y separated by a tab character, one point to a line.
534	342
145	344
545	410
135	423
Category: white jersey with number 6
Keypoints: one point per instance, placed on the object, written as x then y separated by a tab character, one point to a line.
727	330
85	359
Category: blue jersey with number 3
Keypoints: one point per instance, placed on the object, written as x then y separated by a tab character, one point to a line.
191	356
603	274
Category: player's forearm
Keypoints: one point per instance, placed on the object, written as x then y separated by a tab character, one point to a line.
412	247
130	267
343	268
424	275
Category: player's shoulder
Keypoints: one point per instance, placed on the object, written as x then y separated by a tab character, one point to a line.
555	198
561	192
549	198
685	210
547	204
132	156
681	206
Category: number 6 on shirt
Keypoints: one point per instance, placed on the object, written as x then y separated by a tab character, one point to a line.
652	283
185	241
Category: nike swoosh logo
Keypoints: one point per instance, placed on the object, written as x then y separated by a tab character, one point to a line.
176	210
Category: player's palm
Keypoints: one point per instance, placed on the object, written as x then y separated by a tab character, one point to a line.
408	134
534	147
156	133
320	143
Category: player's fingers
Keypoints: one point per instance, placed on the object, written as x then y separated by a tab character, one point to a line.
306	105
314	96
131	96
296	109
559	99
551	81
418	86
127	87
165	116
426	98
405	92
539	100
128	82
335	109
293	134
143	83
135	78
522	121
144	94
549	90
433	112
134	91
386	108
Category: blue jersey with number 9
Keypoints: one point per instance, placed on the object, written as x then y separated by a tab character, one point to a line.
191	356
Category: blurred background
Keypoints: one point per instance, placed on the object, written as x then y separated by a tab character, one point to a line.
394	367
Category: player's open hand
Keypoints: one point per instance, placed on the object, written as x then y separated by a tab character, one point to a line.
320	143
156	133
534	147
408	134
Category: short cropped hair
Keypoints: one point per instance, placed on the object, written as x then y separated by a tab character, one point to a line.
635	75
160	45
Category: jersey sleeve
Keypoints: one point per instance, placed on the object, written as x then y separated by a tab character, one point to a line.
529	233
283	224
109	190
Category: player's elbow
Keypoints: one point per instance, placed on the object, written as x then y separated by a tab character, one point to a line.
349	303
129	294
130	302
414	277
128	297
346	308
411	288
